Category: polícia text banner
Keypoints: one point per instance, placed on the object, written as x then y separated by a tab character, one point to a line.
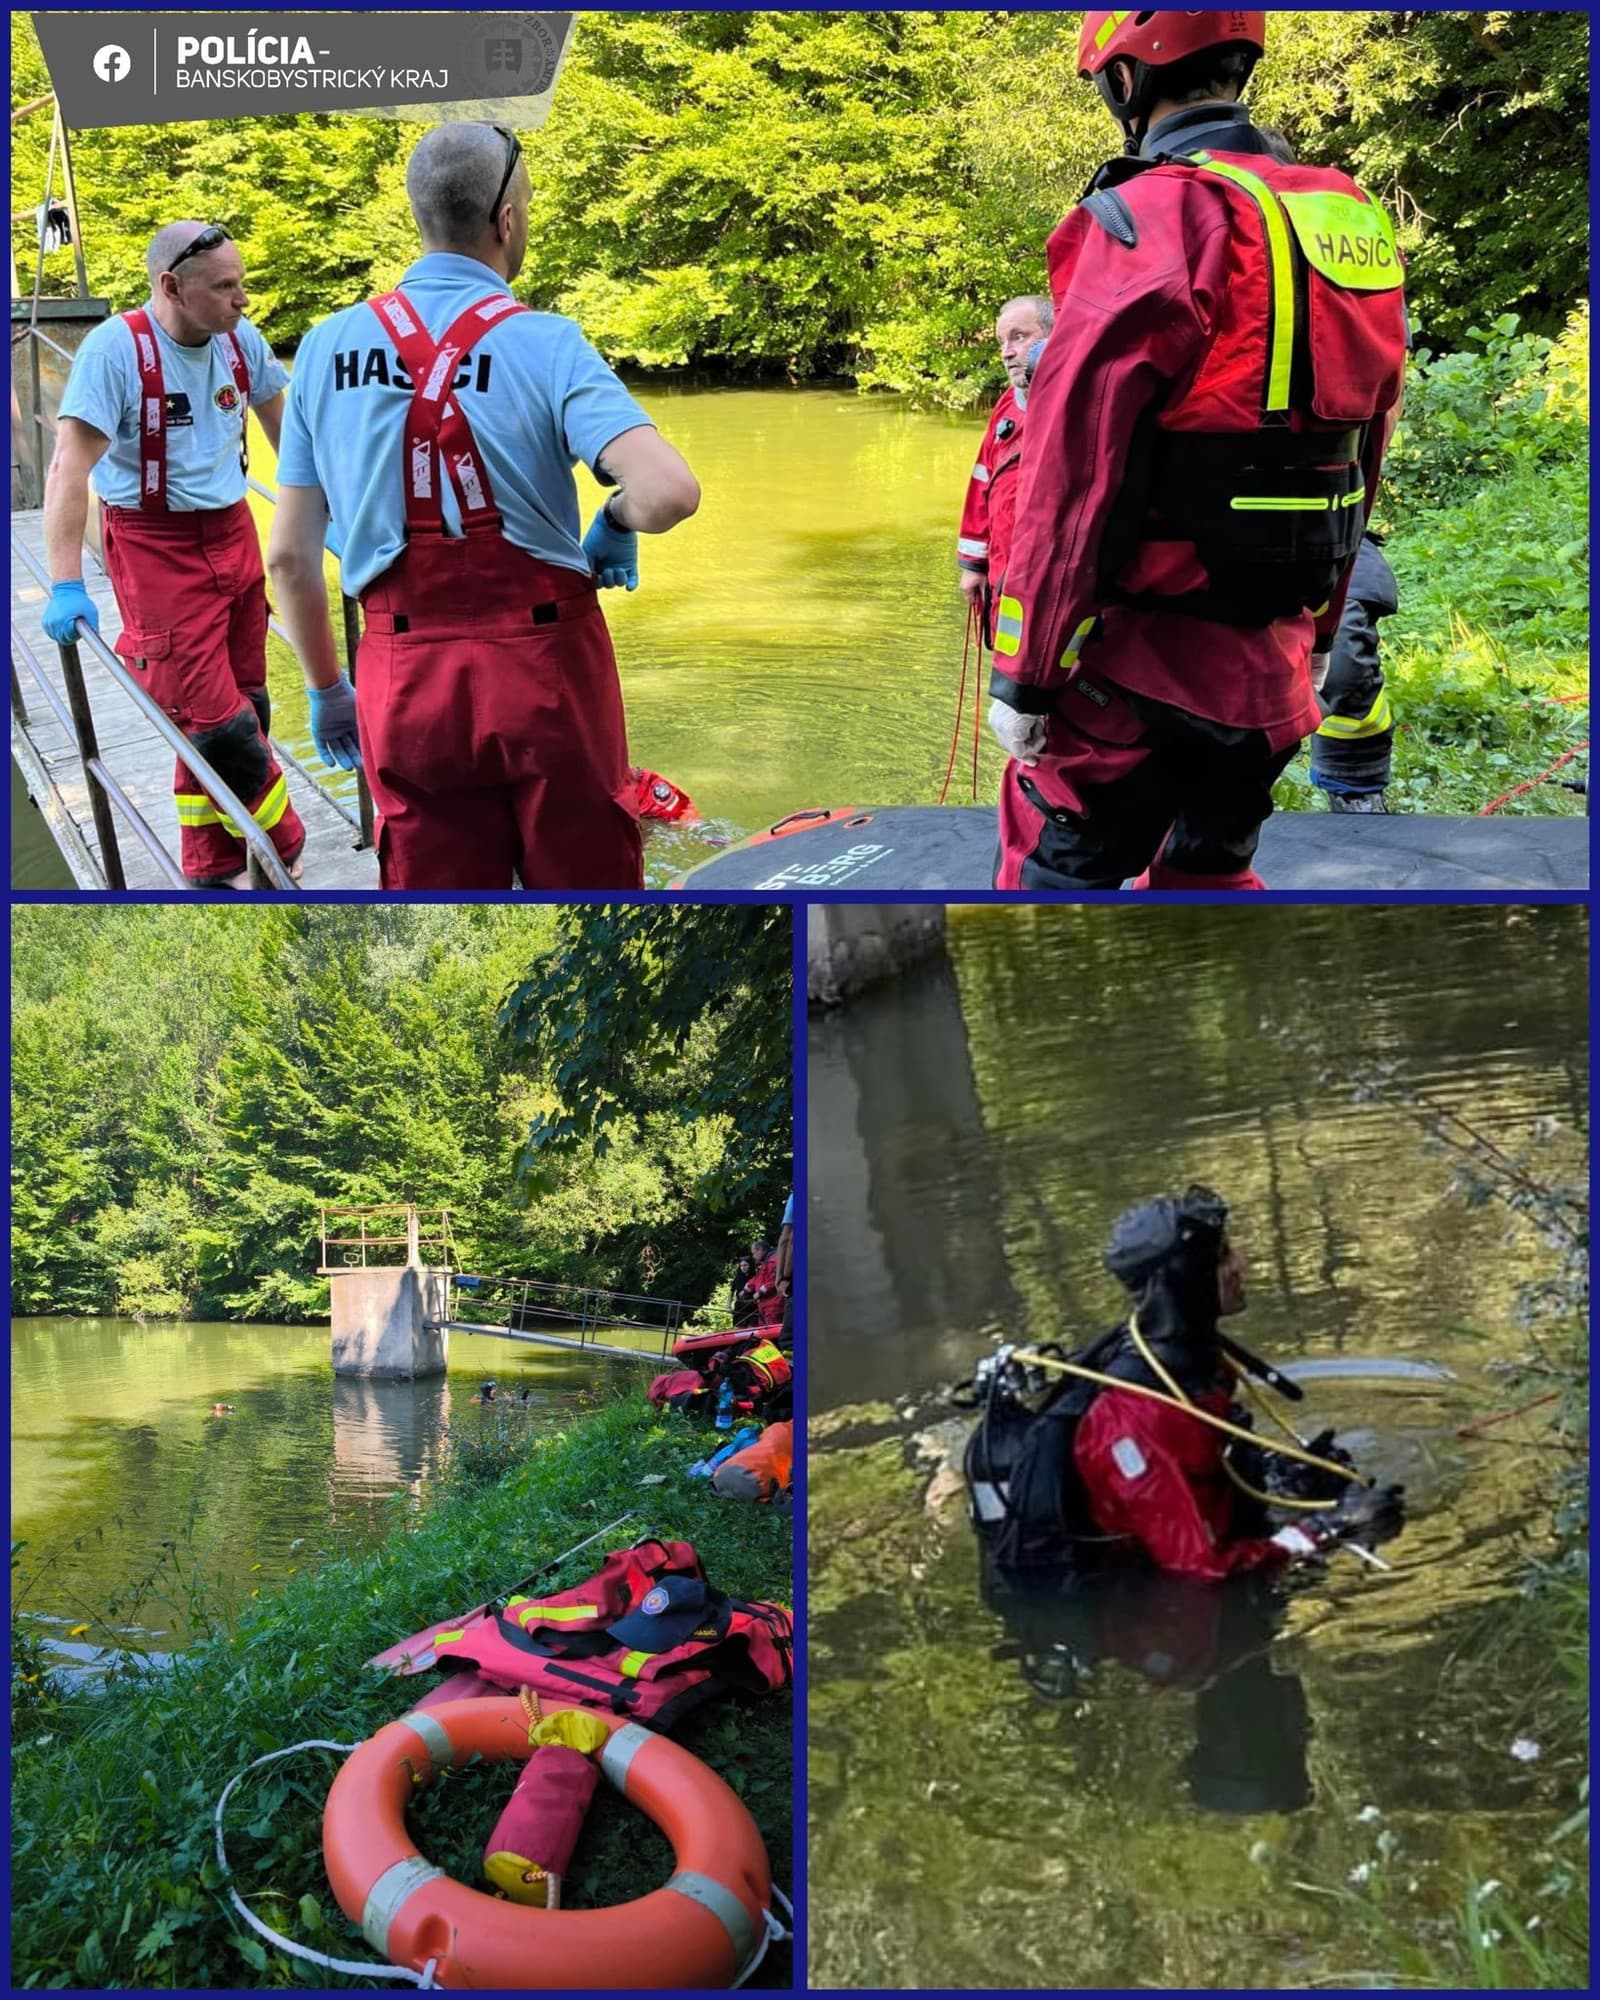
158	69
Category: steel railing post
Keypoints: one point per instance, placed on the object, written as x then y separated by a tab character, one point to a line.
352	645
89	749
36	418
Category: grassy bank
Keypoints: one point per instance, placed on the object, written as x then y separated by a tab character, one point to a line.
114	1880
1485	501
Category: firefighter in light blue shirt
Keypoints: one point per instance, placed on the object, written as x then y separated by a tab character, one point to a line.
438	425
153	419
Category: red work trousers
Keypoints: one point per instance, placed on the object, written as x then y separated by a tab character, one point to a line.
193	598
491	723
1126	783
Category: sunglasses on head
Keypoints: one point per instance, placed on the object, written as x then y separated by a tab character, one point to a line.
513	154
208	239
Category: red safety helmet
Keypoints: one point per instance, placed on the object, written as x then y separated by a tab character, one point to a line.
1154	38
1159	36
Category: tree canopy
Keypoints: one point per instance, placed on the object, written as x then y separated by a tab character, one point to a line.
643	1005
189	1084
854	193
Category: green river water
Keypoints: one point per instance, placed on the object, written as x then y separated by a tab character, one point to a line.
798	642
115	1453
1004	1796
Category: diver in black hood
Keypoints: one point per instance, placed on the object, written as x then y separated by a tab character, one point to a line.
1141	1452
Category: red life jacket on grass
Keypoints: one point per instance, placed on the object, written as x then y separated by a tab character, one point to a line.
559	1646
680	1389
760	1371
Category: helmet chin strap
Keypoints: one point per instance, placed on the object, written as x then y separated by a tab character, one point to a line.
1132	113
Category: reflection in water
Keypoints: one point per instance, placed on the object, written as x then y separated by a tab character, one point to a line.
904	1192
386	1435
36	861
1096	1792
117	1453
1251	1726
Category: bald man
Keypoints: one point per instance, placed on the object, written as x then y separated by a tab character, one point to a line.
153	420
439	425
984	543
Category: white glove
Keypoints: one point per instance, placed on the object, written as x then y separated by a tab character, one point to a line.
1022	736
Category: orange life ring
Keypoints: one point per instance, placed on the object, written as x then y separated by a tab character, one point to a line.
702	1929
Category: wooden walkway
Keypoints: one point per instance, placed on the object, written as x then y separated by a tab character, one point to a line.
133	753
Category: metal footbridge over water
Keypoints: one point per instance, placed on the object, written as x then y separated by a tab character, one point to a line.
427	1296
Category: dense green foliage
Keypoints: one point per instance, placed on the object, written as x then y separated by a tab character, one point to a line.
1486	502
189	1084
616	1011
855	193
114	1876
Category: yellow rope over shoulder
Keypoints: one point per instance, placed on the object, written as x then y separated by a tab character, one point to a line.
1236	1477
1050	1363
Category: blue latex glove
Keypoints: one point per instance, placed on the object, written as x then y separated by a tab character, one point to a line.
613	554
68	603
333	725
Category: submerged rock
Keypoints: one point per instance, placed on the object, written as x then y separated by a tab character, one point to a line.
937	1452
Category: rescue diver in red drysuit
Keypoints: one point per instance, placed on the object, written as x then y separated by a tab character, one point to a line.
1205	435
1152	1473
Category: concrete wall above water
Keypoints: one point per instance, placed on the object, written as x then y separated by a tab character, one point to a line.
851	946
381	1322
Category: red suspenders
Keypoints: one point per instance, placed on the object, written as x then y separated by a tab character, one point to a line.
437	431
153	407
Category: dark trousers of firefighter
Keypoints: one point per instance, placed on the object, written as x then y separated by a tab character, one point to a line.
1127	784
491	723
1353	751
193	598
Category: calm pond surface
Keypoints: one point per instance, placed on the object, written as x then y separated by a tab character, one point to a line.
114	1450
1013	1797
798	643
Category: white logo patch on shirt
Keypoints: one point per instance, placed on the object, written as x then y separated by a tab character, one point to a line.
1129	1459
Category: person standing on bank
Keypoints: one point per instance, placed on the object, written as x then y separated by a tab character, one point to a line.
1206	432
153	419
439	424
1352	753
984	542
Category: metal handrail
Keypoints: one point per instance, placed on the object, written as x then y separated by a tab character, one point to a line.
55	347
586	1305
261	856
588	1322
149	839
436	1233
